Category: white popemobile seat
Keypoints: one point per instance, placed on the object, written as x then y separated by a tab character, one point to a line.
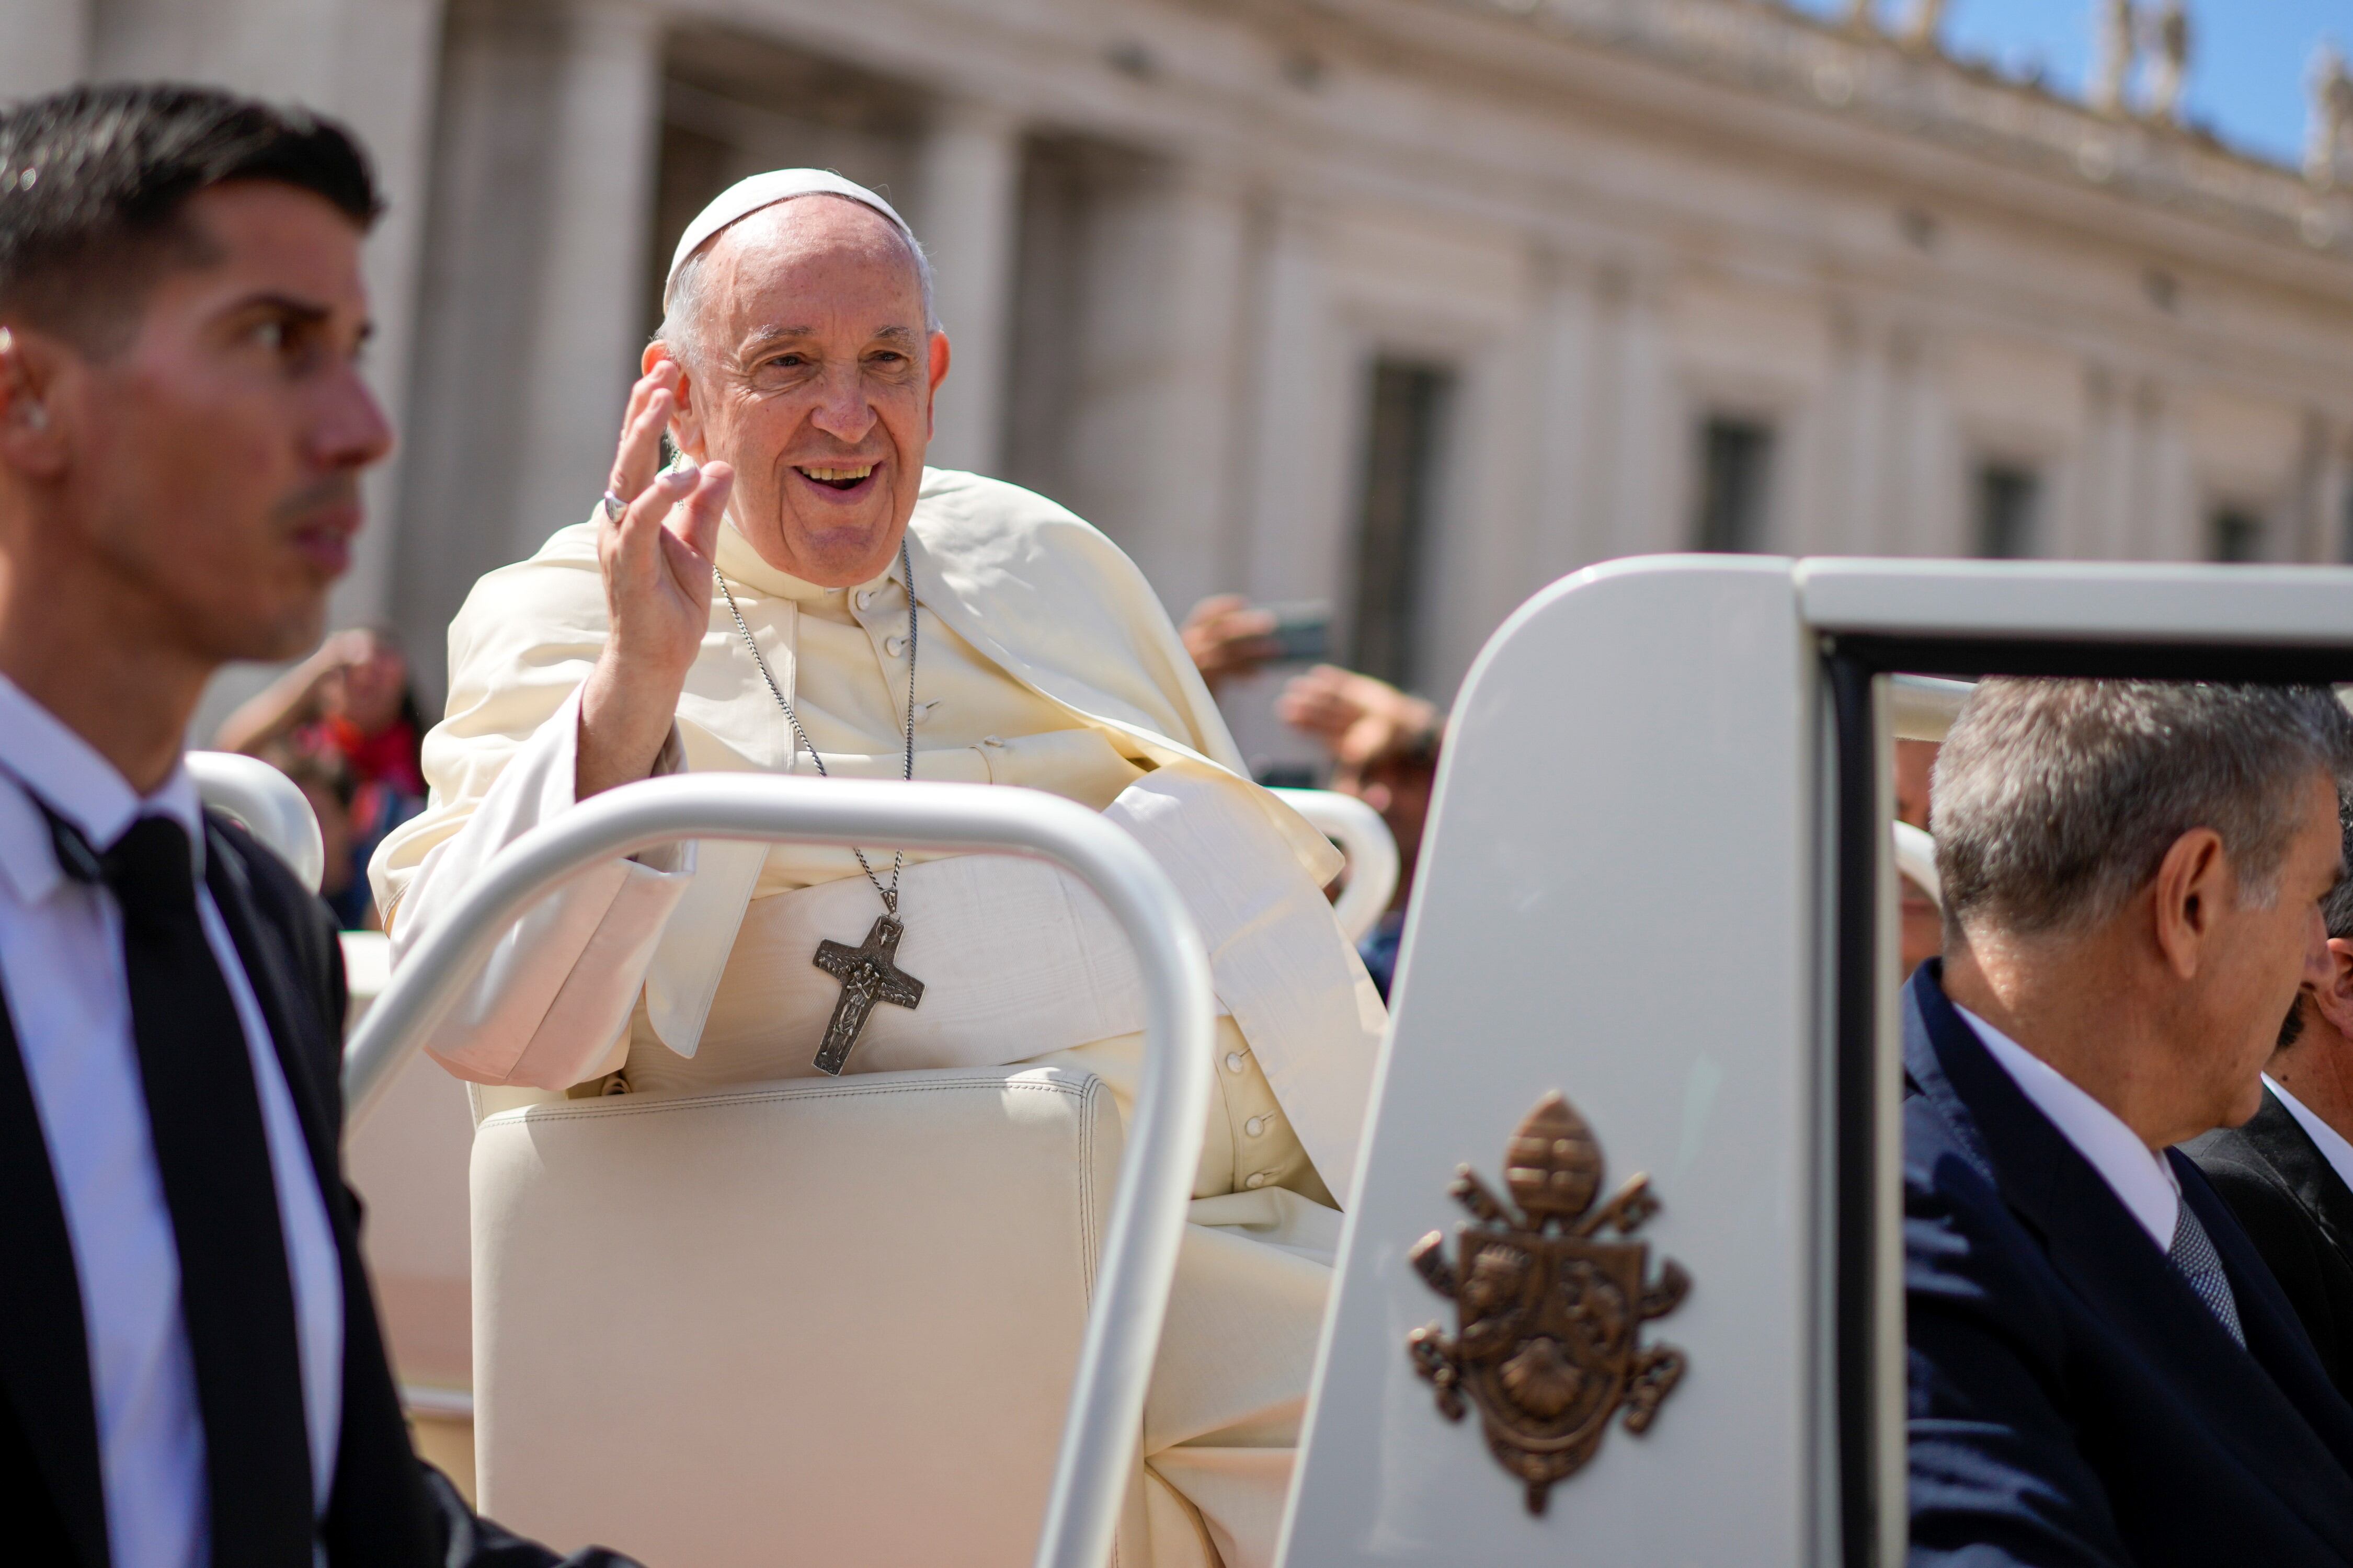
891	1318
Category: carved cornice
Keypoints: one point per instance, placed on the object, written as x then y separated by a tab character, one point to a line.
1873	80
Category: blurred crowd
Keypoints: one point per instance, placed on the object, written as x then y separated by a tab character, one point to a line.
345	727
1382	746
1383	743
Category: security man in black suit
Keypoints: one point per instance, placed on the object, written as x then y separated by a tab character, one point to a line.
191	1370
2287	1172
2101	1370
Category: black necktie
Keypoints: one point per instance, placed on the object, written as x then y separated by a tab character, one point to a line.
237	1296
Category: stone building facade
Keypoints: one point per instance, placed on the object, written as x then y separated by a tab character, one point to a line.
1407	306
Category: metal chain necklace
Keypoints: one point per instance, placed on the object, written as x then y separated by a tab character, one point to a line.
869	973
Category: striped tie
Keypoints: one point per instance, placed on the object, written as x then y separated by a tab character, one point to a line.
2193	1252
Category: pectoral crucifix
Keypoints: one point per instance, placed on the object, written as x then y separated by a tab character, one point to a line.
869	974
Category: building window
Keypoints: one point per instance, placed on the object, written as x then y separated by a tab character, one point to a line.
1735	455
1404	434
2006	499
2237	535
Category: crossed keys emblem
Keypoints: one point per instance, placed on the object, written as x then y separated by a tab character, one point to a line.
1548	1314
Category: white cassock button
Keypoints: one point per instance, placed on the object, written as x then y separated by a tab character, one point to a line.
865	597
1233	1061
893	645
990	741
1254	1126
1256	1179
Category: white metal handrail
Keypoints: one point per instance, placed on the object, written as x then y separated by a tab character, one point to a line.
1365	840
272	806
1103	1423
1922	707
1915	856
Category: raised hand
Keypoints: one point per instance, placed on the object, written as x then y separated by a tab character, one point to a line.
1360	721
1228	639
656	557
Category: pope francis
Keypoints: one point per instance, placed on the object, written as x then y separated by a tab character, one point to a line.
869	617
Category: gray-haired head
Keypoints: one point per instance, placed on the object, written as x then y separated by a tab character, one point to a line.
2056	800
683	290
2336	910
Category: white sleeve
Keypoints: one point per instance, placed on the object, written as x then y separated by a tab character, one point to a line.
550	1006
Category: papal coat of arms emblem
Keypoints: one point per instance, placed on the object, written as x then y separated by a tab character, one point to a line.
1548	1343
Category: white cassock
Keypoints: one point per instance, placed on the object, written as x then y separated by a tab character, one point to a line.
1045	661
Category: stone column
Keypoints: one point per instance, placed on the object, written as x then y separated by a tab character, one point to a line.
588	299
387	64
44	45
1643	449
968	191
2332	530
1865	417
533	293
2319	516
1567	391
1149	453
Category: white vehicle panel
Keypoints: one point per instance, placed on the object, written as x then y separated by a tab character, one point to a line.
1617	902
2083	600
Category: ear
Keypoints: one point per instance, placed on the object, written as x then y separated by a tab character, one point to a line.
2193	887
686	420
939	374
2334	999
32	429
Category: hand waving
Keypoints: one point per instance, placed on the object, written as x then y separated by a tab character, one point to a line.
656	558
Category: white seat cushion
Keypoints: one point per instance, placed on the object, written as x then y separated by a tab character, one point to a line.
831	1322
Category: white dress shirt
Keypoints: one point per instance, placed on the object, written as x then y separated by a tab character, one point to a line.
61	964
2141	1177
2330	1142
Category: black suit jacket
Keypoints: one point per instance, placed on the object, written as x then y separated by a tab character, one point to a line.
2299	1213
2072	1400
387	1509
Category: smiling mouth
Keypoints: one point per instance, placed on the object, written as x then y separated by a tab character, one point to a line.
835	476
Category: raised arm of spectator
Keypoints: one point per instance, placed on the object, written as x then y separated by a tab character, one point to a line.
291	701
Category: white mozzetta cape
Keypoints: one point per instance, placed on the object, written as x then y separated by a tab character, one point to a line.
1031	587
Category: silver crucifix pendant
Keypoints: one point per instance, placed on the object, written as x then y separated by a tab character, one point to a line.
869	974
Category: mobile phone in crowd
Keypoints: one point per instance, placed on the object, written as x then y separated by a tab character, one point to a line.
1302	631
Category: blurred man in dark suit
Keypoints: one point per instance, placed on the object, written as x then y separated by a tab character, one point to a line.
191	1371
2101	1368
2287	1172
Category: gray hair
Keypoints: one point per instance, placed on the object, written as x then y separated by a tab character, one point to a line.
2337	909
2056	800
682	325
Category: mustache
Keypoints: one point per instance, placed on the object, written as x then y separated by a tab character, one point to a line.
332	491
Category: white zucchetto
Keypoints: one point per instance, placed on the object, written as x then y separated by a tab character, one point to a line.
745	198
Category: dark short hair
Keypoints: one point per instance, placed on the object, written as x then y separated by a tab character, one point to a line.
95	180
2056	800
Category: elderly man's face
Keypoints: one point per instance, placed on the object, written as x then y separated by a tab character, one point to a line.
2260	957
813	376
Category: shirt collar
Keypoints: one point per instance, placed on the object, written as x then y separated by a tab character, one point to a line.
52	766
2330	1142
2139	1176
738	560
